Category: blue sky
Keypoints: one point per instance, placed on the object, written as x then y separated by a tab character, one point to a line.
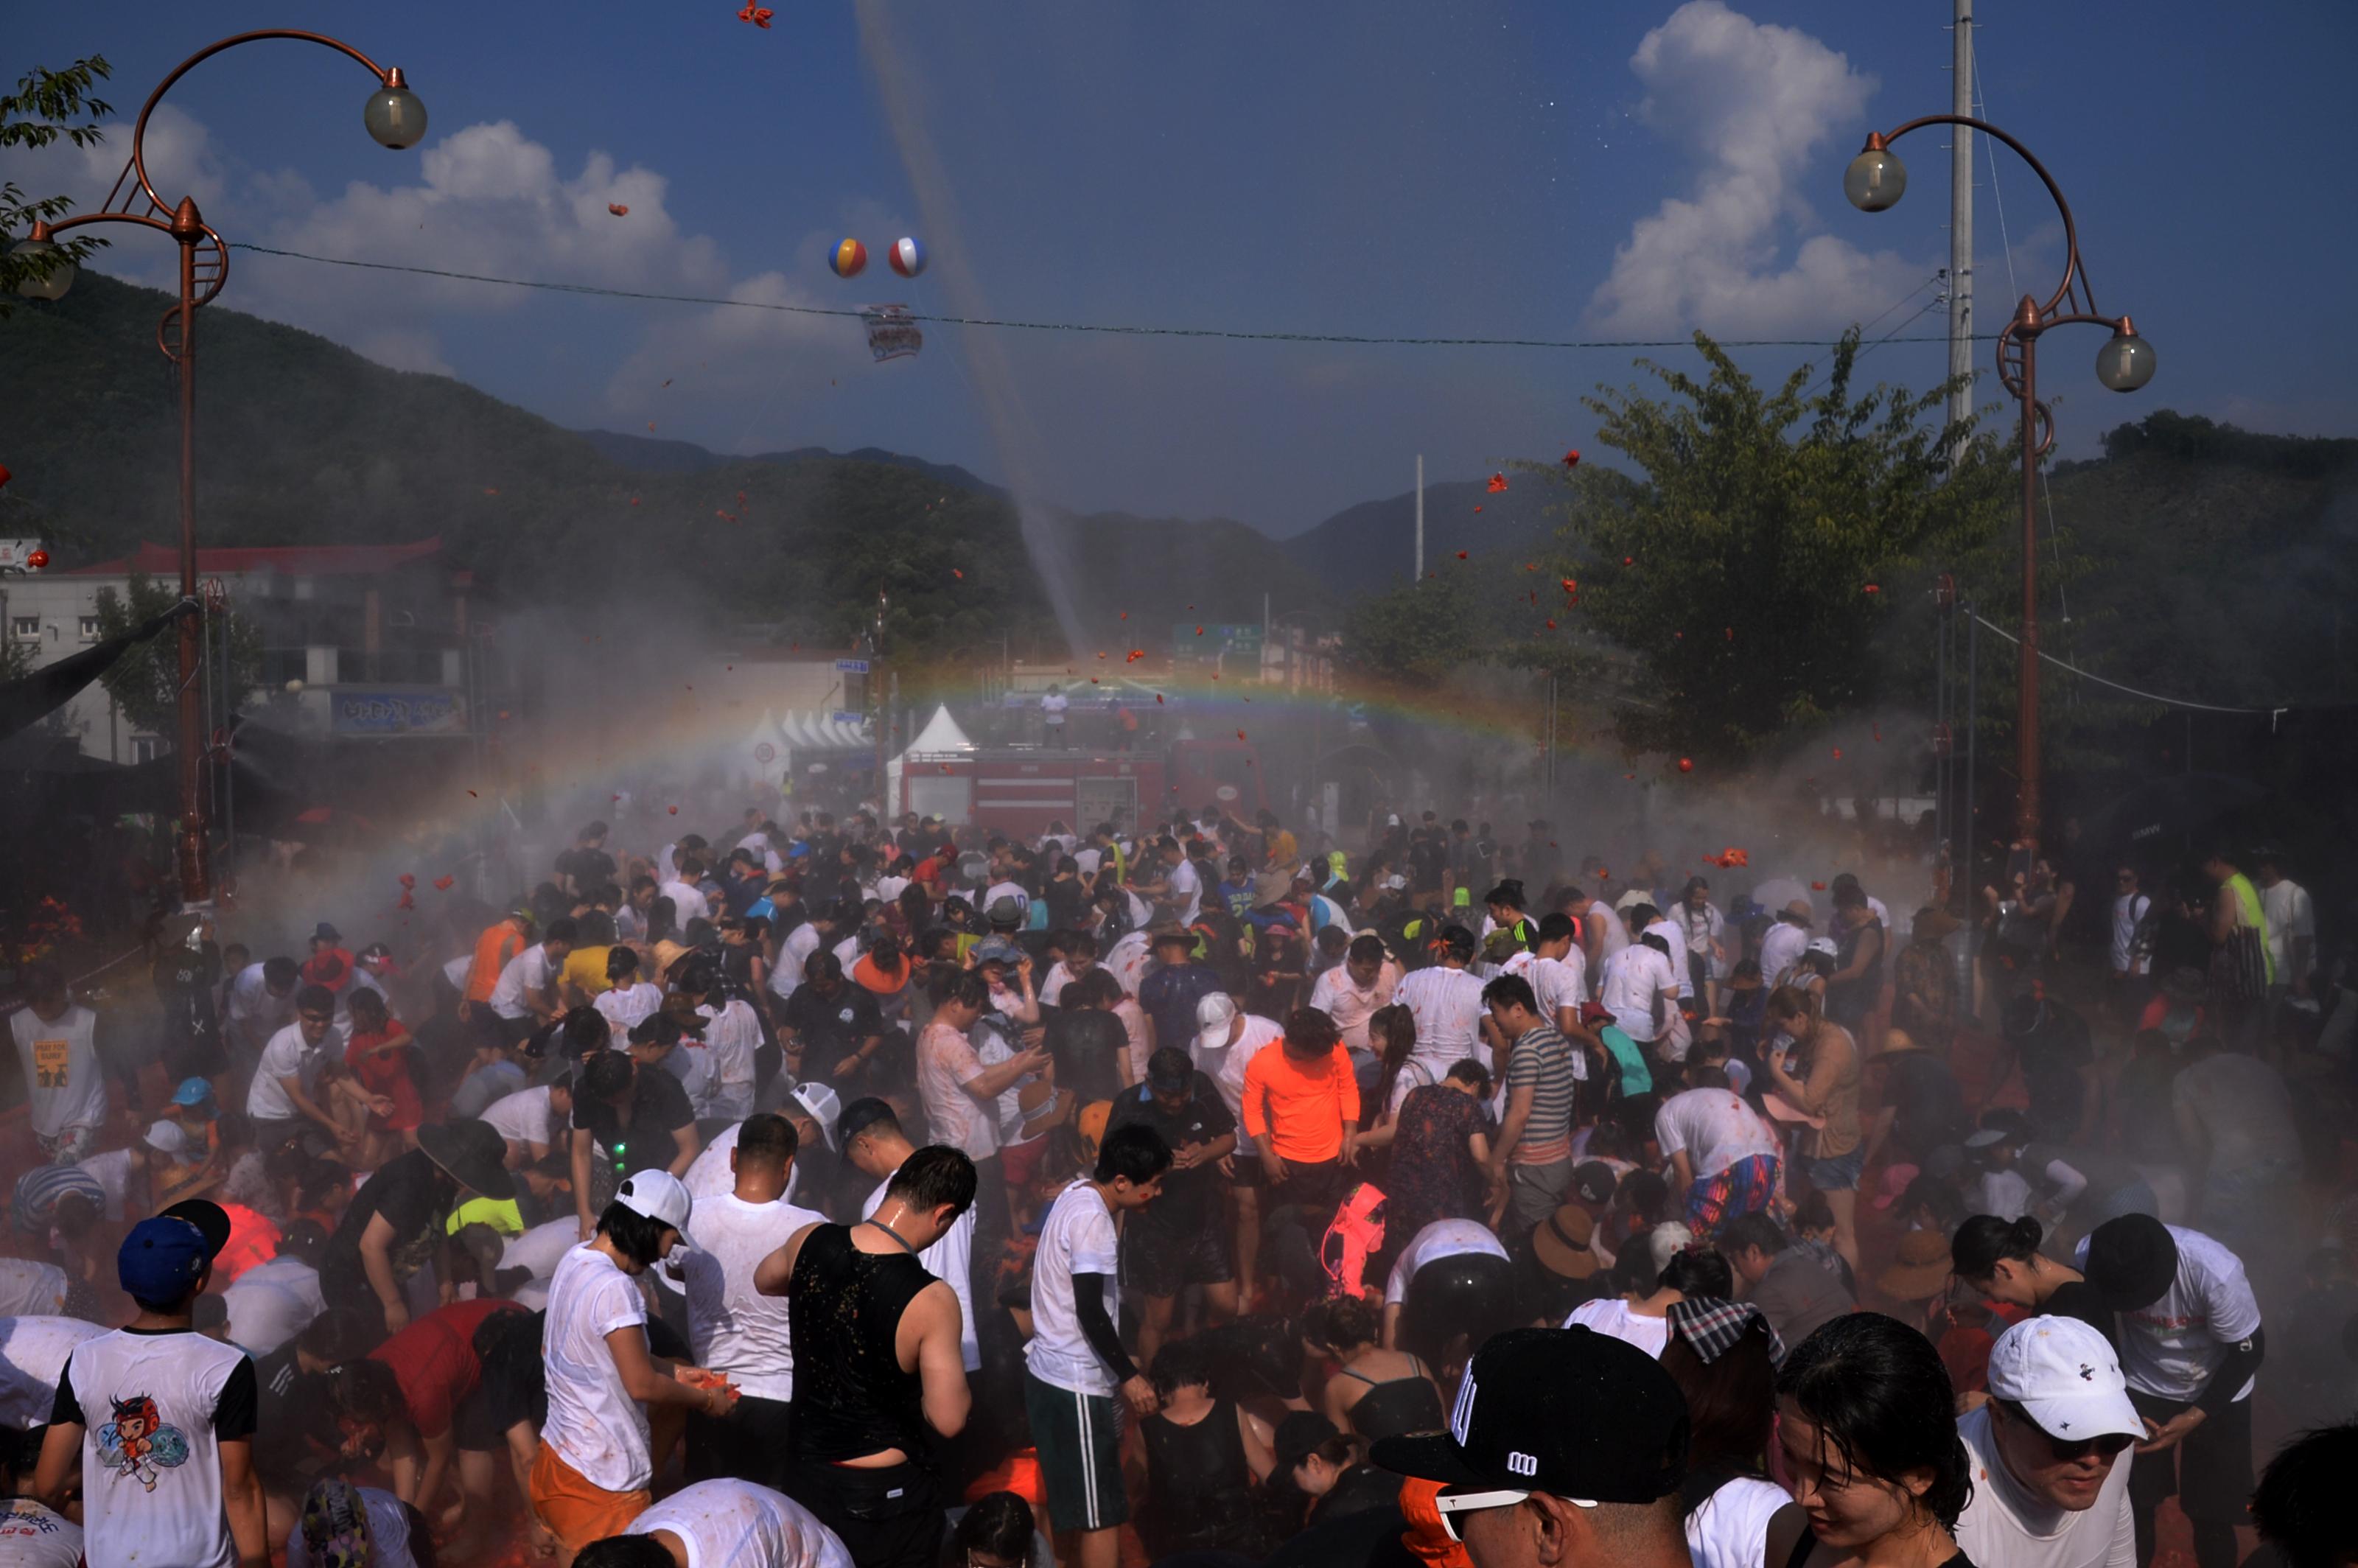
1555	169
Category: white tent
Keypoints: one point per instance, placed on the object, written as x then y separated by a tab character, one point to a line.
941	734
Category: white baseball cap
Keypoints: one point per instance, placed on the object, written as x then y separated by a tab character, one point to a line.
2061	1372
168	1138
1823	944
824	1106
657	1195
1214	1013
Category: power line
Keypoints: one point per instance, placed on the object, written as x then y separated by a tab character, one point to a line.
1106	329
2274	711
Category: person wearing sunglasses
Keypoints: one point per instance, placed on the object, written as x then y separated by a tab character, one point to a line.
2050	1465
1567	1448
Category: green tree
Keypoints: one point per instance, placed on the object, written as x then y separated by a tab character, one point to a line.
47	104
146	681
1419	632
1752	562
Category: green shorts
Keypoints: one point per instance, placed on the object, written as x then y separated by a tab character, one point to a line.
1079	1440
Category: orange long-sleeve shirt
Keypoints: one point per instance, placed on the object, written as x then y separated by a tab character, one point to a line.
494	948
1298	1108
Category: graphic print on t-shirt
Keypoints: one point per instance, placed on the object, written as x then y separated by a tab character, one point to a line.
49	1063
137	1446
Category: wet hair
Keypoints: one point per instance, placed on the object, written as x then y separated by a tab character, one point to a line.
622	963
606	1075
1367	948
1339	1321
967	988
276	973
1183	1363
1814	1214
336	1336
1393	1032
1557	926
367	1000
1791	1003
635	1236
1309	1031
1096	988
659	1028
1731	1399
1750	1230
1882	1401
1458	943
1643	915
624	1551
2301	1506
1134	1150
768	1138
999	1523
562	929
1982	1243
1699	1271
315	999
1511	990
934	1176
585	1029
1469	1071
365	1390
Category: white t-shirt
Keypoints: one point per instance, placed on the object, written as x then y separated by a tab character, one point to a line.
1558	983
2003	1523
524	1117
1078	1239
1128	958
2289	914
1186	891
31	1290
950	1261
2128	910
732	1328
153	1493
111	1172
1675	937
594	1425
542	1248
1715	1128
33	1536
289	1056
1052	709
736	1524
272	1302
998	890
2169	1348
62	1076
1783	945
947	1062
626	1006
1611	1315
254	1015
710	1175
687	902
1446	1004
1225	1065
1633	981
33	1352
731	1038
1442	1239
526	976
787	974
1349	1004
1730	1528
388	1524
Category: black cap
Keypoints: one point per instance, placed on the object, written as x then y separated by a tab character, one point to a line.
2132	1261
1563	1410
859	1117
1593	1182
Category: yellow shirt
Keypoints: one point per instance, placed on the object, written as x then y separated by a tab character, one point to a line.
585	967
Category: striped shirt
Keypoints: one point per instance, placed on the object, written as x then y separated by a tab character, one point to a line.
1545	1061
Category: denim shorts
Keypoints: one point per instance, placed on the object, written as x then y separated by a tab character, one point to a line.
1839	1174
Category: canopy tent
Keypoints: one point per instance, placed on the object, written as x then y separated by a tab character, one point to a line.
941	734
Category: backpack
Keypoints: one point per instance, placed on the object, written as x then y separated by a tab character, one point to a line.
1354	1235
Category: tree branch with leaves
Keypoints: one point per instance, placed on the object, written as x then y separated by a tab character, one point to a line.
46	106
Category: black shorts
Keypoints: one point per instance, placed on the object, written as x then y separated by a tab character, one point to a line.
1161	1263
889	1518
475	1425
2209	1472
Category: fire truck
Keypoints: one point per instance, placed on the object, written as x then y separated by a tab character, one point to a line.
1019	790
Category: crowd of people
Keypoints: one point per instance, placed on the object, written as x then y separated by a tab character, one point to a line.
865	1193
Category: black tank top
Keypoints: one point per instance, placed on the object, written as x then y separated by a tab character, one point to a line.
1396	1407
1198	1484
851	1398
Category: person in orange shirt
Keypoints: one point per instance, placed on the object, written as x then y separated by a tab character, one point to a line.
1302	1107
497	945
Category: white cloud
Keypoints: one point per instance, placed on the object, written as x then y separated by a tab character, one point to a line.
762	364
402	348
181	161
1755	102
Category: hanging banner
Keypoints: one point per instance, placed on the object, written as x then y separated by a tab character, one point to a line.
892	333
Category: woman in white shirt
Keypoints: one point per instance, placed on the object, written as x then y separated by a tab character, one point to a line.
1723	1355
627	1000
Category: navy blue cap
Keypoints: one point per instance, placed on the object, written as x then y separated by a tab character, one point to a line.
162	1259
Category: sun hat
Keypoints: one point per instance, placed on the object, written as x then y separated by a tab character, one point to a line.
472	1152
1922	1269
1562	1243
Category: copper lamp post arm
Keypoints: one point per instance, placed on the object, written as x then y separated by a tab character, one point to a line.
139	128
2074	269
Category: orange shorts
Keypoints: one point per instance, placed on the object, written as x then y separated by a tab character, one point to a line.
575	1511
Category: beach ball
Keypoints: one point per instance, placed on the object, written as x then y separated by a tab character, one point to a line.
907	256
850	256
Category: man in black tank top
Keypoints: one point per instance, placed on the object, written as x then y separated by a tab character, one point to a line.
878	1370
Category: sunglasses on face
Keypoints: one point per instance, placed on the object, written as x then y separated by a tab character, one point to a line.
1452	1504
322	1019
2073	1450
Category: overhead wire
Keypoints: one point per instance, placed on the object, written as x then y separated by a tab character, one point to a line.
2274	710
1108	329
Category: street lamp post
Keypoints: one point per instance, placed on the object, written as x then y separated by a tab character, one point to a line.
395	119
1874	182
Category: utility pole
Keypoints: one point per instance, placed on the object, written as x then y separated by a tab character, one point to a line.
1960	224
1418	576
